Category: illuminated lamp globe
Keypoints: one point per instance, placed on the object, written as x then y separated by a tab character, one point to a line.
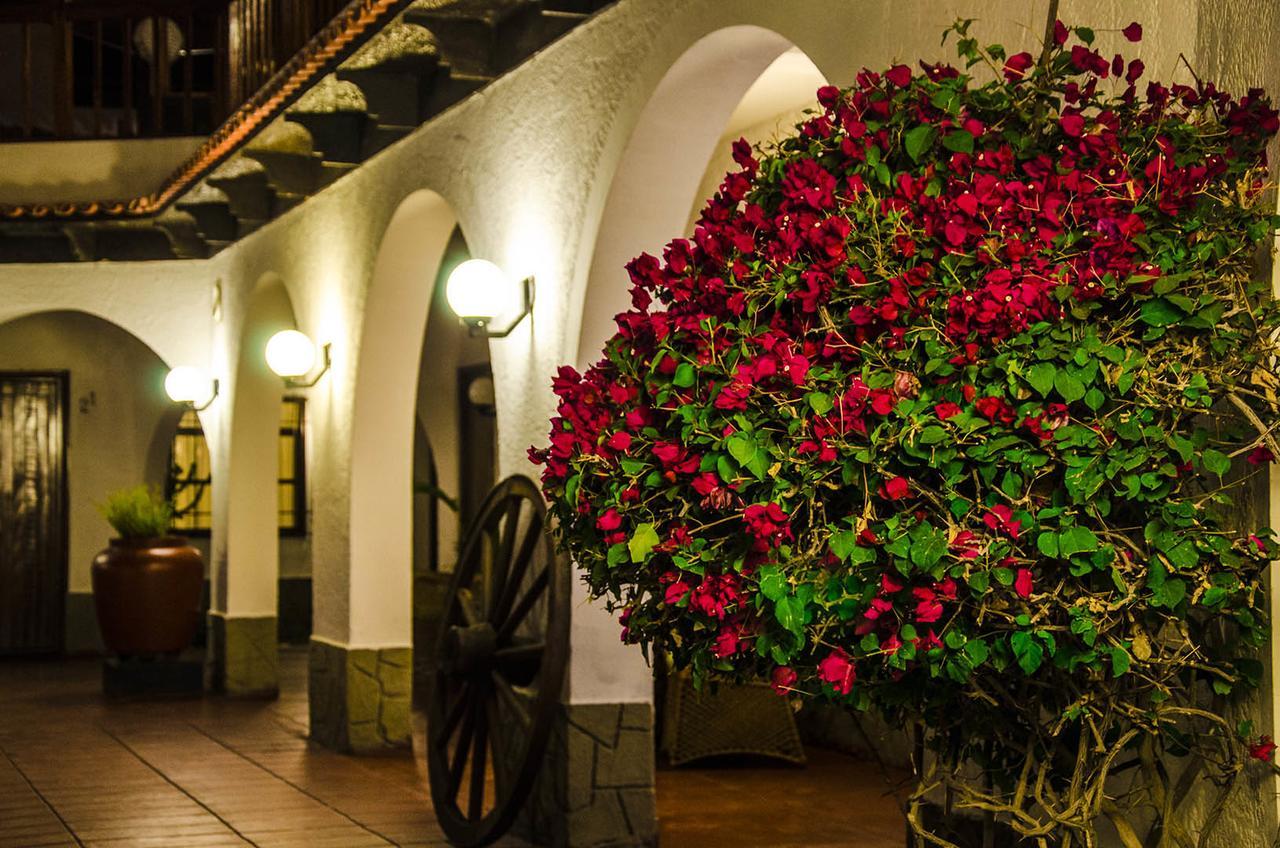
291	353
478	291
189	384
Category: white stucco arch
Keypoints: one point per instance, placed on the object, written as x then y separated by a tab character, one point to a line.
653	189
246	556
396	306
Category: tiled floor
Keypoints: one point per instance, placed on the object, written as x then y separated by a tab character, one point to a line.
78	771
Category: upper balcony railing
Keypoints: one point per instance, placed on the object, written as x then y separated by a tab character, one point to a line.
82	69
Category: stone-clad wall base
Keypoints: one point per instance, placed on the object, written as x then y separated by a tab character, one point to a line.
360	697
244	656
597	787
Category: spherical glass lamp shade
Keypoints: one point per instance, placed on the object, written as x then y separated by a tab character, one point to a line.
478	290
291	353
188	384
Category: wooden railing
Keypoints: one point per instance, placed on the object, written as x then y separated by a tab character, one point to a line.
338	39
78	69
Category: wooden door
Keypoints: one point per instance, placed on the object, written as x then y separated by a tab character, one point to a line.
33	511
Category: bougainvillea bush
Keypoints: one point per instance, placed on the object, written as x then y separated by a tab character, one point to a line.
942	413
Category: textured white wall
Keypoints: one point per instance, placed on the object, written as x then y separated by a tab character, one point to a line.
527	168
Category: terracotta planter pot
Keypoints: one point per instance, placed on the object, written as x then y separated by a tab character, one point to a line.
147	593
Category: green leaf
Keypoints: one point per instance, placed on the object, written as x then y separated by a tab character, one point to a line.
928	546
1076	540
1048	544
977	651
790	614
773	585
1028	650
1094	399
642	541
684	375
917	140
819	402
1068	386
1216	461
1160	313
958	141
1040	376
1120	661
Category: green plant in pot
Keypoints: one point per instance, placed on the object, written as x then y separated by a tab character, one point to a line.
146	583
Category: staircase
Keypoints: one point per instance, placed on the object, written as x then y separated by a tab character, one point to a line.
431	56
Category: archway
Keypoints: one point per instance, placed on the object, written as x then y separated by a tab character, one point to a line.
105	410
249	504
364	617
737	79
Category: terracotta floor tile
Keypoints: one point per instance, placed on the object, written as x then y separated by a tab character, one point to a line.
215	772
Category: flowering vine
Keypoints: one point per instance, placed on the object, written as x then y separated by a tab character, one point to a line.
942	412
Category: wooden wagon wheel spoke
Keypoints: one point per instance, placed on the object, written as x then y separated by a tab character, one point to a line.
528	547
521	612
475	793
507	693
456	711
467	606
502	554
458	761
495	700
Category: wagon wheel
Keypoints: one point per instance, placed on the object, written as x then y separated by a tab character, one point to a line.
500	663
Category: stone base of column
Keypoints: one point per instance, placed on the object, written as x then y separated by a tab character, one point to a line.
597	788
360	697
244	656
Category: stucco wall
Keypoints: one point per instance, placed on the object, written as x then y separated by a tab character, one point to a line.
56	171
526	167
118	421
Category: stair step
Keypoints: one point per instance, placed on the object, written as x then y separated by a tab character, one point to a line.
248	192
403	48
132	244
331	172
284	201
289	172
51	246
395	97
449	89
213	217
380	136
477	36
337	136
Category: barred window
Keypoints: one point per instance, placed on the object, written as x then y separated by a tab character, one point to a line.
190	483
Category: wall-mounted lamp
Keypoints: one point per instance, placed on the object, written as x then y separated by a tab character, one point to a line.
479	291
189	384
292	355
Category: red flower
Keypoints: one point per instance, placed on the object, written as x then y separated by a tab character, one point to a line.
965	545
1133	31
899	75
620	440
1260	455
895	488
889	583
1022	583
928	610
1001	520
611	520
1016	66
1060	32
995	409
946	410
1264	749
769	524
727	642
676	593
783	679
1072	125
837	670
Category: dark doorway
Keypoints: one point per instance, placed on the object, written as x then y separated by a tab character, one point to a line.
478	439
33	511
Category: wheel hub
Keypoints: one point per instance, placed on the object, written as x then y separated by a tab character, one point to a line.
470	649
